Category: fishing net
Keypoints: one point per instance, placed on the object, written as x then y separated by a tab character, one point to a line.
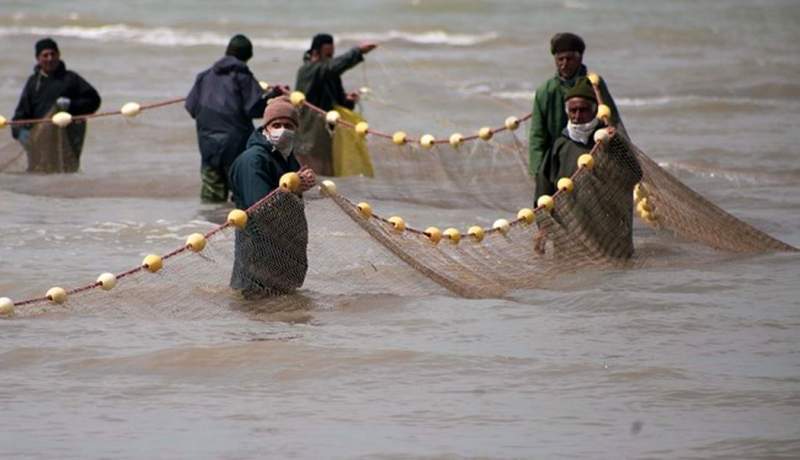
350	251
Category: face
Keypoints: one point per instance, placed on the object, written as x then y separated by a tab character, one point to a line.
326	51
568	63
580	110
282	123
48	60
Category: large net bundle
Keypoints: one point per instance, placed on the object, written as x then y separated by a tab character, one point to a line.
466	186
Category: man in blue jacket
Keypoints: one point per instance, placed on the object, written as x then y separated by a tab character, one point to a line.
224	101
52	88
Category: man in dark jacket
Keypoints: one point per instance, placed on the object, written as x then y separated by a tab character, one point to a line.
223	101
52	88
576	139
549	118
320	79
270	252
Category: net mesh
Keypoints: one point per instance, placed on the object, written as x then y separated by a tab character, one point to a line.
591	227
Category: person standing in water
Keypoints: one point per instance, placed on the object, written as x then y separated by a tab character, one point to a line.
320	79
224	100
52	88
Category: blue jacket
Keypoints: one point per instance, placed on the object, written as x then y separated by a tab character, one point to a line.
223	101
257	171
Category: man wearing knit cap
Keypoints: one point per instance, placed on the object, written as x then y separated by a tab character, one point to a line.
575	139
270	252
52	88
549	117
224	101
320	79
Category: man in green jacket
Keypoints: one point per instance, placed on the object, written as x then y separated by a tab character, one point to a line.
549	118
320	79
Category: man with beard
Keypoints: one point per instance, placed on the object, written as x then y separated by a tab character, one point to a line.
549	118
576	139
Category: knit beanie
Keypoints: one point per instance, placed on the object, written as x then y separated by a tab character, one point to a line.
46	44
583	89
566	42
240	47
280	107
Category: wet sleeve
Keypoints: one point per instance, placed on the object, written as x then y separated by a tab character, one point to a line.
24	110
345	62
539	139
253	97
86	100
193	99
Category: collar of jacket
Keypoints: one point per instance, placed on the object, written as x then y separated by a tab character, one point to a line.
60	70
228	64
571	82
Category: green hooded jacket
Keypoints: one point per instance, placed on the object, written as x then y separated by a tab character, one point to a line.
549	117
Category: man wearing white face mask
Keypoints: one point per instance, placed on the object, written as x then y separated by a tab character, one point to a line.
270	253
576	139
269	155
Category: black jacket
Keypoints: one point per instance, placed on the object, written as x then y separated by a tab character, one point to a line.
41	91
257	171
223	101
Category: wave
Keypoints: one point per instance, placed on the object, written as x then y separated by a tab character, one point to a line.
165	36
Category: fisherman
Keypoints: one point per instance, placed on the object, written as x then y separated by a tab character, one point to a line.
576	138
52	88
270	252
549	118
224	100
320	79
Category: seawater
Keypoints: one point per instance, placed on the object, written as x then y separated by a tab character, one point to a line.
671	362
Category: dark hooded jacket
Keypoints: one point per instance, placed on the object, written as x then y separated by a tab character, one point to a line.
321	81
41	91
561	161
257	171
223	101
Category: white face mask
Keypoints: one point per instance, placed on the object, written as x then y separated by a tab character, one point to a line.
282	139
581	132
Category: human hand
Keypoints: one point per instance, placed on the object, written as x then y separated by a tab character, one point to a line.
366	47
353	96
307	178
62	103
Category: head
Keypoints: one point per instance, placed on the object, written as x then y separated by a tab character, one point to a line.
240	47
567	50
581	102
47	55
321	47
280	113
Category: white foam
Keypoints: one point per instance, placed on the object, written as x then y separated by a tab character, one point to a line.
165	36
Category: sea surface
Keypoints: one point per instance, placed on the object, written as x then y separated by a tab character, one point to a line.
696	360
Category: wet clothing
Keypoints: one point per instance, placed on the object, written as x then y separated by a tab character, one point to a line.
41	91
550	118
224	101
213	184
257	171
321	82
270	252
561	161
49	148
